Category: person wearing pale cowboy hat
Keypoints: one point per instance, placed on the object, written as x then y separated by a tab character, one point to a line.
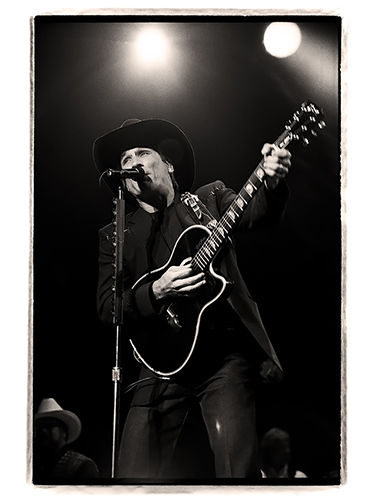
54	462
154	162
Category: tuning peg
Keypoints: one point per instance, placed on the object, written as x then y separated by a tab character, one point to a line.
321	124
305	141
289	124
314	133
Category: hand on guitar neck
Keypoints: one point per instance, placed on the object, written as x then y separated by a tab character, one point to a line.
276	164
178	281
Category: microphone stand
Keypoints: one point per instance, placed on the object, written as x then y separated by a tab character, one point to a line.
118	242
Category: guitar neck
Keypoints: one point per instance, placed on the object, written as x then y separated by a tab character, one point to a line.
309	118
234	212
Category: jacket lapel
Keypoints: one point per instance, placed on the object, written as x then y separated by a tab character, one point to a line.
137	233
139	224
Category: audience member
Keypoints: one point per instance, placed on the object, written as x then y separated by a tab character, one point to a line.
54	430
276	456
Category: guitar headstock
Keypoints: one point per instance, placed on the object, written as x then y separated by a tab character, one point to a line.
309	119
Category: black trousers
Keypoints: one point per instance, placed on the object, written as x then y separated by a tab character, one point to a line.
153	428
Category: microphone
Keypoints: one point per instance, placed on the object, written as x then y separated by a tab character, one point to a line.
136	173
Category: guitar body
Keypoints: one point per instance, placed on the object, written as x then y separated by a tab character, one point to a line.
165	343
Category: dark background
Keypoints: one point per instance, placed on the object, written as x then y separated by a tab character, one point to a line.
229	96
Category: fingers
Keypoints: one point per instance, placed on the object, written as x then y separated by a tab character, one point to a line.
277	162
190	283
178	281
189	290
177	272
267	149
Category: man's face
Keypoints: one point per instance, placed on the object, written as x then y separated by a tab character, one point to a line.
50	434
157	175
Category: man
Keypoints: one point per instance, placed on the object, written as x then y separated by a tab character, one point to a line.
54	461
233	350
276	457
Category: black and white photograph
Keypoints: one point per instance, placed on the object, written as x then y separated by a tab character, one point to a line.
187	251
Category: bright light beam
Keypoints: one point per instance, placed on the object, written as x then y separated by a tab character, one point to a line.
151	46
282	39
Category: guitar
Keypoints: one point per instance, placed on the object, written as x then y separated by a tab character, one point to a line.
165	344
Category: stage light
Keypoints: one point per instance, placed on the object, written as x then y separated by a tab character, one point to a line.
282	39
152	46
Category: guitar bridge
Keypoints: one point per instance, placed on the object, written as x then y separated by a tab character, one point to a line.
173	320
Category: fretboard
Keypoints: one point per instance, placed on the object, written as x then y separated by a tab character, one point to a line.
233	214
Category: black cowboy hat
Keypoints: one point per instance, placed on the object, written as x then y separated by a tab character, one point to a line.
160	135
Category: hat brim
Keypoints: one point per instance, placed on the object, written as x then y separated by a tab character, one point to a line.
68	418
160	135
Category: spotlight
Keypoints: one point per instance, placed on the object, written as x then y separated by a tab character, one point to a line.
282	39
152	46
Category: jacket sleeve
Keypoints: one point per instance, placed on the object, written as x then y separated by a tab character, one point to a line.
267	206
139	303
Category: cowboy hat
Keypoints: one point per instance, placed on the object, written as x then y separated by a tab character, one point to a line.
160	135
48	408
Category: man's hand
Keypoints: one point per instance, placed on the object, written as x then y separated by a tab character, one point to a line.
276	164
178	281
